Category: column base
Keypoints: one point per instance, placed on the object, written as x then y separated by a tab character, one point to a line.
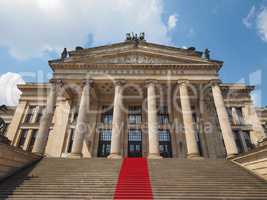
154	156
39	154
75	155
114	156
194	157
230	156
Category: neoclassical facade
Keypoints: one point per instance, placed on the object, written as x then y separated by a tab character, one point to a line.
135	99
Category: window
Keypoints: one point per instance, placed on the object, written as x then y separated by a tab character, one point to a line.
165	144
32	140
135	114
248	140
238	141
164	135
71	138
163	115
22	137
29	114
105	135
230	115
40	114
135	135
104	142
107	116
75	117
239	115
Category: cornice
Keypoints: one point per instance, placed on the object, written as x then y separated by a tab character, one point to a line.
184	66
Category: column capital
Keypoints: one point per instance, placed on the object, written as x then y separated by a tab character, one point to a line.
119	82
87	82
214	82
151	82
183	82
56	82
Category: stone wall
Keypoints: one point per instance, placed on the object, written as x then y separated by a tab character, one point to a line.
255	161
13	159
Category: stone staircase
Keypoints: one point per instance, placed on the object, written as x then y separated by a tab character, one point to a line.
203	180
55	178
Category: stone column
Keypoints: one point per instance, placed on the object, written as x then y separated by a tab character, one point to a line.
153	140
117	122
190	135
251	118
228	137
13	130
81	125
46	120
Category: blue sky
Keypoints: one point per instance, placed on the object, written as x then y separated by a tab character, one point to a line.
234	30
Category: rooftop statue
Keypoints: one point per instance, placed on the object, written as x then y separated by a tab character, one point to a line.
206	54
135	37
64	53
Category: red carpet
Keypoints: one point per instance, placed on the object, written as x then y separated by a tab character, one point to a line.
134	180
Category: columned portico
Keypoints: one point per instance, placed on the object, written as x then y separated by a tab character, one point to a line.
117	123
81	126
228	137
138	117
190	135
46	120
153	141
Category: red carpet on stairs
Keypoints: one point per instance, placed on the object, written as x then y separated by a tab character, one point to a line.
134	182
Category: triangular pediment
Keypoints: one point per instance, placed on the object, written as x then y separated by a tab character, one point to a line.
137	57
132	53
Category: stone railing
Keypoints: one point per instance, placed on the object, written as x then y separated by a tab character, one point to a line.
13	159
255	160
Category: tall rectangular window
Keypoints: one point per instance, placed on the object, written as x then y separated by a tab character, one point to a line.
163	115
230	115
238	141
22	138
32	140
248	140
239	115
71	138
135	114
107	115
29	114
40	114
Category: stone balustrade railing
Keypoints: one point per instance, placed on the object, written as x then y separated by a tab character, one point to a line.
255	161
13	159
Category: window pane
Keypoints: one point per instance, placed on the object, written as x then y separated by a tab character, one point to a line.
135	135
32	140
105	135
164	135
22	138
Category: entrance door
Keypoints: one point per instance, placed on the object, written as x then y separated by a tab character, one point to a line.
165	145
134	143
104	143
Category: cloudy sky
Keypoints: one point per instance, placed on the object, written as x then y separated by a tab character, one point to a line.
34	31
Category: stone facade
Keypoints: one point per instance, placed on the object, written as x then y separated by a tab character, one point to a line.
135	99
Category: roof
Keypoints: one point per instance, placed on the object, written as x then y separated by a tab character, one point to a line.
132	52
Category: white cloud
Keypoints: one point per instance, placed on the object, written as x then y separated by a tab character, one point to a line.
262	24
172	21
31	27
248	20
257	19
8	88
